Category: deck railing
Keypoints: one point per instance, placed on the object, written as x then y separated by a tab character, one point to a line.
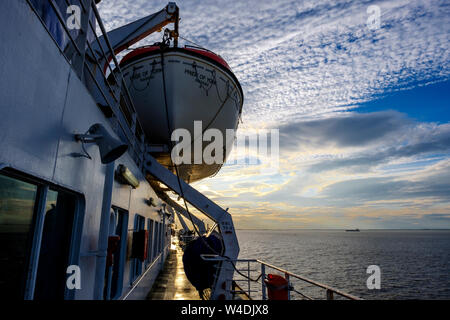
92	60
249	280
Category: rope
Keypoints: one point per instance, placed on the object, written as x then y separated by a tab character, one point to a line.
187	40
163	46
197	45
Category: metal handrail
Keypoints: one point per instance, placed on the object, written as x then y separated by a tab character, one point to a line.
122	88
330	291
315	283
120	95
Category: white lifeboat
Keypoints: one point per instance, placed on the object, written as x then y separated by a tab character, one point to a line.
198	86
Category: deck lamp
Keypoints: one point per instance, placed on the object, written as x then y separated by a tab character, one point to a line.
110	148
126	176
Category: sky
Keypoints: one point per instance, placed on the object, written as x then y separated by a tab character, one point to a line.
362	111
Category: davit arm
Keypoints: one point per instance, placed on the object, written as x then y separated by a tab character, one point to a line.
127	35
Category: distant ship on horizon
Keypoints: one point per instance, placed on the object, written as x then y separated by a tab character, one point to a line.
352	230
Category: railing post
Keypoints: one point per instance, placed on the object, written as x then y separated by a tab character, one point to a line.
330	295
233	289
286	275
248	279
78	62
263	284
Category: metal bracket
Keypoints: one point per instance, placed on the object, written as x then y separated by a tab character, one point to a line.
127	35
179	209
222	286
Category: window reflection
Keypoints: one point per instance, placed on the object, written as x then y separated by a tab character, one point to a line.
55	245
17	201
50	18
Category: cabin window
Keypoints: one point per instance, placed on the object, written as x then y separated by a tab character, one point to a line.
136	264
161	237
49	16
156	242
164	236
150	241
114	273
17	206
54	254
37	224
160	240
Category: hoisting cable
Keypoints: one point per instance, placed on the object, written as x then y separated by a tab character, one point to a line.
163	45
197	45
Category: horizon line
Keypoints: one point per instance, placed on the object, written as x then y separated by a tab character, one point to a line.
342	229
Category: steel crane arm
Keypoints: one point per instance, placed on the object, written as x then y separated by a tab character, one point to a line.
182	222
174	214
222	285
127	35
182	212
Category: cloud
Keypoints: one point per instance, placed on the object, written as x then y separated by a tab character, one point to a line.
355	141
306	59
432	183
415	142
346	130
305	66
395	166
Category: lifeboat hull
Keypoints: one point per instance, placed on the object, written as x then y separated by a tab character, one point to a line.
197	86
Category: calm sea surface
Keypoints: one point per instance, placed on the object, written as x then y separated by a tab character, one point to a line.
414	264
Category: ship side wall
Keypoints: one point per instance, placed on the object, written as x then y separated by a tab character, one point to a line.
43	104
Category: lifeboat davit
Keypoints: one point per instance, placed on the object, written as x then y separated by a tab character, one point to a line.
199	86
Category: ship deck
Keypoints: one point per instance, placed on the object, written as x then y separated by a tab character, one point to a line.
171	283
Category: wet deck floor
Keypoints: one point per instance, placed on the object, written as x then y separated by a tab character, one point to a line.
171	283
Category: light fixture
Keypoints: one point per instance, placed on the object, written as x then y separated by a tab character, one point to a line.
167	212
151	202
109	147
124	175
